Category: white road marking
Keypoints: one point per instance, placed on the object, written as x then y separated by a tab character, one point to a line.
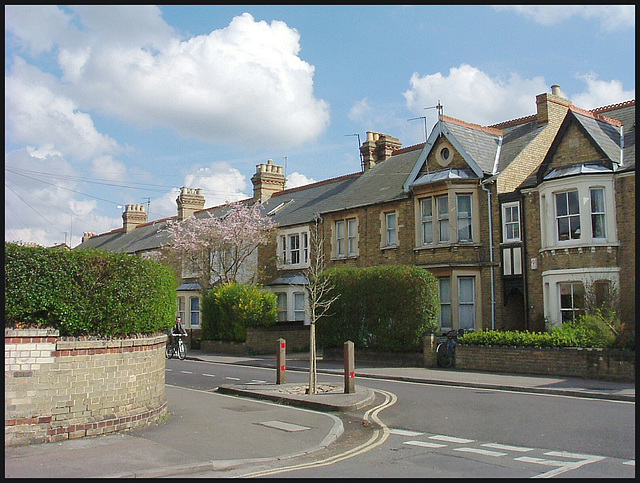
630	463
451	439
484	452
209	375
507	447
563	466
232	378
284	426
186	372
425	444
404	432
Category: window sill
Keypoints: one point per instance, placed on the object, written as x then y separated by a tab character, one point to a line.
450	246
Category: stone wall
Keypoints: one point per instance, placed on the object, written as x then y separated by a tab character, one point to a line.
609	364
59	388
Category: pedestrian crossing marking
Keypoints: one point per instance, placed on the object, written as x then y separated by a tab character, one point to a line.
425	444
481	451
451	439
404	432
506	447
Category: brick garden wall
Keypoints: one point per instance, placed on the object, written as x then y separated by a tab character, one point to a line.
617	365
60	388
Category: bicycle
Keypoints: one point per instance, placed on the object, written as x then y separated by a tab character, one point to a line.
446	350
175	346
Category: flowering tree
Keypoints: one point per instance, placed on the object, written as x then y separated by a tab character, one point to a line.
221	248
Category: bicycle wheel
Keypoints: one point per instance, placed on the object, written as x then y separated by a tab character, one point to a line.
168	352
182	350
443	354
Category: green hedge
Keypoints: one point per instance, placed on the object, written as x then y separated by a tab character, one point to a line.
87	292
588	331
386	308
228	309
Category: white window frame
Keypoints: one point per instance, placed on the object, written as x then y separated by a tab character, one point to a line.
598	212
426	220
574	309
453	302
283	313
345	236
293	248
445	303
390	229
583	184
299	313
444	225
464	218
570	217
194	315
508	222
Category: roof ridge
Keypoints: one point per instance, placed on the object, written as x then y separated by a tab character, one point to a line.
514	122
595	115
408	148
611	107
486	129
317	183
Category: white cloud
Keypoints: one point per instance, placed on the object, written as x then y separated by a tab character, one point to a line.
298	179
37	114
601	93
37	27
107	168
473	96
469	94
360	110
40	204
243	85
610	17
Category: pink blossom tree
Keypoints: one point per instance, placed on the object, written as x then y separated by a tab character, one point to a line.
221	248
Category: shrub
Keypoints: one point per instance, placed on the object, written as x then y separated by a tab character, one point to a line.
590	330
228	309
87	292
386	307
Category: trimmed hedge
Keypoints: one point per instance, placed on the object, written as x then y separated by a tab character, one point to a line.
387	308
87	292
228	309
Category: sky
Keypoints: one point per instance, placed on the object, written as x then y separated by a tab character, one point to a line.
113	105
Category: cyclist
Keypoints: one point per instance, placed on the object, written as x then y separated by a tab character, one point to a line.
175	332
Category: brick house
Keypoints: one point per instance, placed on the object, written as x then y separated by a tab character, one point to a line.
481	207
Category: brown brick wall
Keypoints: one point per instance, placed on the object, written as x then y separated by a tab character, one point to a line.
625	186
57	388
606	364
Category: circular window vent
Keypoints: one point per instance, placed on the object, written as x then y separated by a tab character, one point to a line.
444	155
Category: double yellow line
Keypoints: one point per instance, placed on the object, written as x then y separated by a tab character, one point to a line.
379	437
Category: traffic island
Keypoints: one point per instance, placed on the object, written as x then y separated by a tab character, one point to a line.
329	397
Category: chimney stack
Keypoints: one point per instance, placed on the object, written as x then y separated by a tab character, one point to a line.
133	216
552	107
189	201
377	148
86	235
267	180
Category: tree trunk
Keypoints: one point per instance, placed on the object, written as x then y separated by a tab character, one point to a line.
312	359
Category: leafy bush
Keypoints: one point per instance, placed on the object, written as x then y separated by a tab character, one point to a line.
87	292
388	307
590	330
228	309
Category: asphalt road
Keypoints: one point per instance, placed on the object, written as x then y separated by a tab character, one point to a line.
440	431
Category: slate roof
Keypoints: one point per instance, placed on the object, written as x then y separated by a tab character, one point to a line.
606	135
489	149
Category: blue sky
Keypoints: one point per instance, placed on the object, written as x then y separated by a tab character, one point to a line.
114	105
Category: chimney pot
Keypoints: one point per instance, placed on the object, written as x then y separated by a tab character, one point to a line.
555	90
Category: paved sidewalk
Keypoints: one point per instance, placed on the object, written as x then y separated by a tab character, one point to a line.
213	431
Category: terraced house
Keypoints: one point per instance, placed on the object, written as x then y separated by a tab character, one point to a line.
521	222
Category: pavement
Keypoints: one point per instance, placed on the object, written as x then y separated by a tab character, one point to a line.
218	430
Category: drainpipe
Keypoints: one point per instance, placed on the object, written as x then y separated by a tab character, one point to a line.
493	290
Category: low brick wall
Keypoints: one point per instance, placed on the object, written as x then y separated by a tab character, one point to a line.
59	388
609	364
264	340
